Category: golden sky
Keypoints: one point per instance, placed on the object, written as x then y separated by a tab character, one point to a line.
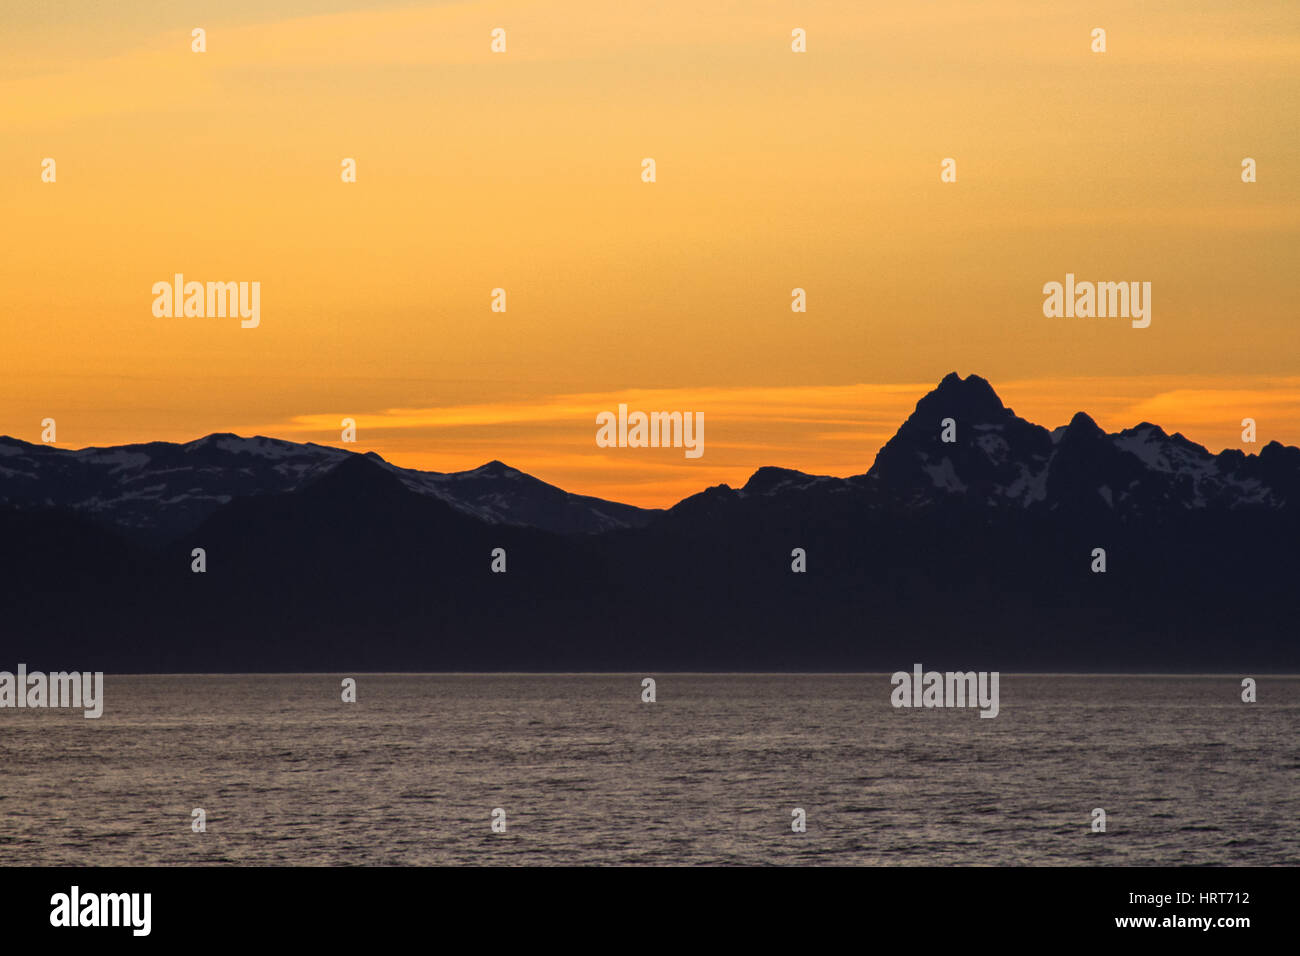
521	170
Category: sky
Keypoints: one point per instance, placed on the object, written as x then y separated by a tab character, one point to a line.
522	170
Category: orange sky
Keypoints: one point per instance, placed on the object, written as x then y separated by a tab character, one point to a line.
522	170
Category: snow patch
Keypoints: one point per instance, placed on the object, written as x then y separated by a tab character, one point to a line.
944	476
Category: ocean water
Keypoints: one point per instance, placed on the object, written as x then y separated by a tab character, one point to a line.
709	774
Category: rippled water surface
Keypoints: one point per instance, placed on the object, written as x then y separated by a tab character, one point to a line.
709	774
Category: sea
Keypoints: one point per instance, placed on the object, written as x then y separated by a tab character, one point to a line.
720	769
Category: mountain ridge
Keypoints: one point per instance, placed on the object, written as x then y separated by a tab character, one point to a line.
159	490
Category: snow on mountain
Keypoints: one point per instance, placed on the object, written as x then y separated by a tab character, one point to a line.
999	460
499	494
161	489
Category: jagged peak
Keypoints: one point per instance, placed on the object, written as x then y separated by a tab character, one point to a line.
1083	424
971	384
971	397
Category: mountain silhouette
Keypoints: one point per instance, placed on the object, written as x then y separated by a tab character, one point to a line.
969	542
158	490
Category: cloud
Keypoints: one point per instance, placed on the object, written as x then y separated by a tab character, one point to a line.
834	429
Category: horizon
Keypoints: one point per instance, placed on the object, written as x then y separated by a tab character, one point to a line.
1230	675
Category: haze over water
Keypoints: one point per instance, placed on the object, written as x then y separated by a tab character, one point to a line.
709	774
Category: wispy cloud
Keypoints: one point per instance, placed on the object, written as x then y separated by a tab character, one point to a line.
833	430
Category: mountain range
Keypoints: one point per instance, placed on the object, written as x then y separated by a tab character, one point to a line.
974	552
